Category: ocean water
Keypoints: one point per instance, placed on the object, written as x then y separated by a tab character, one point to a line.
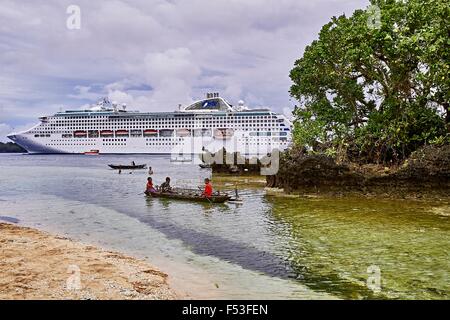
262	248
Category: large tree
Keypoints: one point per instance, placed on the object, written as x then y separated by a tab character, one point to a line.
376	82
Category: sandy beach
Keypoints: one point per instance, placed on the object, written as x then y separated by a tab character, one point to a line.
38	265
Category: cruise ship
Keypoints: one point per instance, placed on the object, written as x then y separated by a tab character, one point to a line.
209	125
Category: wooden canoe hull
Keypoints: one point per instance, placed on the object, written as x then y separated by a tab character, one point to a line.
127	167
194	198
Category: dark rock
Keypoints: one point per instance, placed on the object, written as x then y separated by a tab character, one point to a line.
427	168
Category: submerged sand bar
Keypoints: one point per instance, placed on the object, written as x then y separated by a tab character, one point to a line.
37	265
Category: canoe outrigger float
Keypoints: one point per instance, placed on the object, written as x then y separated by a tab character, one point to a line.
190	195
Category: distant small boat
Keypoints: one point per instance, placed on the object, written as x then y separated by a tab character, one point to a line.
233	169
127	167
92	152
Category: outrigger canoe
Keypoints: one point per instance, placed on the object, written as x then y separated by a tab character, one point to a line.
190	197
127	167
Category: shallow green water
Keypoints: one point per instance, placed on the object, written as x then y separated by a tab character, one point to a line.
337	240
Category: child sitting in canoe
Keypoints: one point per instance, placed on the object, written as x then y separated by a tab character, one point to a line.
150	188
208	189
165	187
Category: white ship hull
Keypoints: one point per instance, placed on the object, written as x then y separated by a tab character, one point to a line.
206	125
241	142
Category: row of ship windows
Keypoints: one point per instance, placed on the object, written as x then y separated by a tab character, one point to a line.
185	118
157	123
266	118
166	119
65	140
166	140
169	127
71	144
260	134
47	133
148	144
113	127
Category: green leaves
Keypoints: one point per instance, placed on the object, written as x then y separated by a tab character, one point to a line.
384	88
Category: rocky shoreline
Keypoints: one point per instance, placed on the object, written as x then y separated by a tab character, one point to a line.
426	173
37	265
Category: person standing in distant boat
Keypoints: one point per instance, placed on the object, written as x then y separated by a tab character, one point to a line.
150	171
208	189
149	188
132	163
165	187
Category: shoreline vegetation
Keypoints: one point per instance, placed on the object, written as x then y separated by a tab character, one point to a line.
38	265
11	147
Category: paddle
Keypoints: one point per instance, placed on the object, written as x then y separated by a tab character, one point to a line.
237	199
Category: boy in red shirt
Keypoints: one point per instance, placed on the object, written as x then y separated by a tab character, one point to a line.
208	189
150	188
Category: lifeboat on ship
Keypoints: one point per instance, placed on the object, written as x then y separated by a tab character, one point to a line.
150	133
80	134
122	133
136	133
223	133
106	133
92	152
166	133
202	132
183	133
93	133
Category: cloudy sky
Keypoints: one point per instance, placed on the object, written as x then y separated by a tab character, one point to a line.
152	54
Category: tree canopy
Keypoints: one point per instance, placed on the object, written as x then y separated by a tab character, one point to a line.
376	84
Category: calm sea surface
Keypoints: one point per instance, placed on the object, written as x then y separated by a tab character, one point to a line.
264	248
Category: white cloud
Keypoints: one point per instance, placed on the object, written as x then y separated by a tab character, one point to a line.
6	129
153	54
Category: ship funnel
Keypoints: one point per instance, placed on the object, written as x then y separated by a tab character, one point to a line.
114	106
